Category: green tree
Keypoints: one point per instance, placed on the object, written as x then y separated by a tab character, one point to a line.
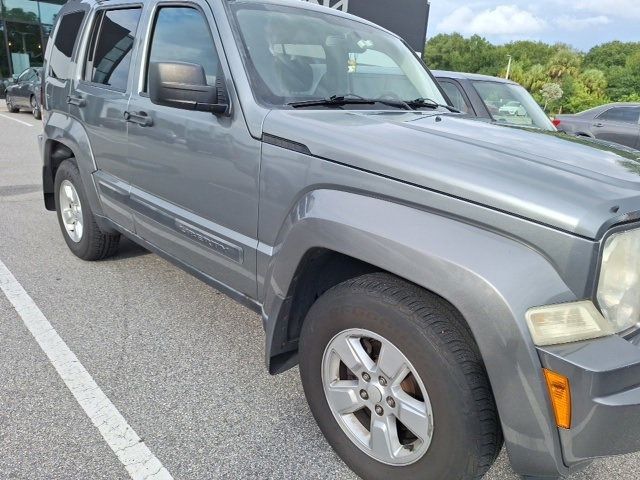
608	72
564	62
612	54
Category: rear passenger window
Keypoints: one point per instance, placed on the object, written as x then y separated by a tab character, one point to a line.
109	57
621	114
65	41
181	34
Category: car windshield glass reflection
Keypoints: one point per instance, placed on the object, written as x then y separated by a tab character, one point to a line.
512	104
296	55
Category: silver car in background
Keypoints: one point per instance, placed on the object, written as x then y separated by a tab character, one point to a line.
614	122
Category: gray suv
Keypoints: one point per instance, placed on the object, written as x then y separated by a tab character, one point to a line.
444	284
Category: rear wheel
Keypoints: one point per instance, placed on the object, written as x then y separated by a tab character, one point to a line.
396	384
10	106
79	228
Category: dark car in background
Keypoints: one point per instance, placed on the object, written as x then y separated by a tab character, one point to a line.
494	99
614	122
25	92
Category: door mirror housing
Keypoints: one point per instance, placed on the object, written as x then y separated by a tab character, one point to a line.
184	85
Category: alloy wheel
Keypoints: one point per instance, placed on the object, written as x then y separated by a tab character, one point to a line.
377	397
71	211
34	107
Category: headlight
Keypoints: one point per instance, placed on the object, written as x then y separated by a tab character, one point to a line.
619	284
567	322
618	298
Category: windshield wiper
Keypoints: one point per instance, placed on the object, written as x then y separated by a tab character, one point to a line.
349	99
429	103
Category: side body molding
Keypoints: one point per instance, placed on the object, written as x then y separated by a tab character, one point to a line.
491	279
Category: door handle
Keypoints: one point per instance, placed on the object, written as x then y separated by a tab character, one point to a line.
77	101
139	118
598	125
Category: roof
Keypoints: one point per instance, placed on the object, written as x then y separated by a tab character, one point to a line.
470	76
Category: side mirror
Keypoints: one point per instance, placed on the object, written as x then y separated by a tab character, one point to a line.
14	77
184	85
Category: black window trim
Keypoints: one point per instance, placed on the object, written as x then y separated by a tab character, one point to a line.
140	88
98	13
620	107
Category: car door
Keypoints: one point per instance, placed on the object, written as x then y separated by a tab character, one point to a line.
20	89
618	124
99	99
195	175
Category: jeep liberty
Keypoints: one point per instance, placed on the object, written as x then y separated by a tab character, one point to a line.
445	285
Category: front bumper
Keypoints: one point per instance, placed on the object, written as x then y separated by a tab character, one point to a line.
604	376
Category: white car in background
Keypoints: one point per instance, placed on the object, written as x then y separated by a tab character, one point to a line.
513	108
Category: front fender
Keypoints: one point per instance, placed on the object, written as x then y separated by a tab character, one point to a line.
492	280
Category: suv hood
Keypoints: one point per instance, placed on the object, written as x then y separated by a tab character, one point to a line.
551	178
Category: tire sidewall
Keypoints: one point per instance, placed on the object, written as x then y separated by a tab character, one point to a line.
69	171
450	454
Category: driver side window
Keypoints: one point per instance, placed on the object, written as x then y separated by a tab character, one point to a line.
181	34
25	76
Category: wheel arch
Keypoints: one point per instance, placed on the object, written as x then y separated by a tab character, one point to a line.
470	268
64	139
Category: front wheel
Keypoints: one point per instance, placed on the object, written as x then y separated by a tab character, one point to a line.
35	108
395	383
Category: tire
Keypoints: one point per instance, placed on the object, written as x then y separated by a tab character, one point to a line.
466	436
80	231
35	108
10	106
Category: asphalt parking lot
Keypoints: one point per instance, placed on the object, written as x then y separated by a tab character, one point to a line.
182	363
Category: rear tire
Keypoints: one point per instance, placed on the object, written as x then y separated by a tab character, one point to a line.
77	222
10	106
431	336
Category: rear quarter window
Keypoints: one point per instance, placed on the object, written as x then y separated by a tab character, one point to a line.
66	38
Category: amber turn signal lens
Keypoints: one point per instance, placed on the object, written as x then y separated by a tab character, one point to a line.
560	394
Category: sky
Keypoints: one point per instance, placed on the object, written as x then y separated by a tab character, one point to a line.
580	23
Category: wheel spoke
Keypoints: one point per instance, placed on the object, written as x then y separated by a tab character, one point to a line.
67	215
353	355
68	191
392	363
384	436
344	396
413	414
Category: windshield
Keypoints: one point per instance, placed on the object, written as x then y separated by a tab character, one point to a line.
512	104
293	54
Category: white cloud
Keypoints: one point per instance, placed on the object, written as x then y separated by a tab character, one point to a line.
500	20
617	8
575	23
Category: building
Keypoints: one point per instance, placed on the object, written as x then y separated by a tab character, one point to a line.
24	29
407	18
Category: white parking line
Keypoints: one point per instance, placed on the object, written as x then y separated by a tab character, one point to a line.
15	120
139	461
